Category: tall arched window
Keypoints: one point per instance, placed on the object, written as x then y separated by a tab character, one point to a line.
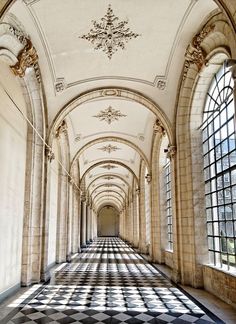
167	170
219	150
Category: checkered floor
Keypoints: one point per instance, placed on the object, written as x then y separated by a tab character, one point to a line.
108	283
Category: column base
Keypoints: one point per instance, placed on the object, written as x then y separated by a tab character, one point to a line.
68	258
45	276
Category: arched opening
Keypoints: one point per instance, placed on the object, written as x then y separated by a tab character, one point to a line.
108	221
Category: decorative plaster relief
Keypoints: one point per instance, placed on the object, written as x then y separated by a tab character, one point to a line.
110	34
110	92
78	137
108	166
141	137
60	85
108	178
109	115
161	84
109	148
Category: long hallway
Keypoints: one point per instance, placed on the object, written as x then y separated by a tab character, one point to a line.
107	283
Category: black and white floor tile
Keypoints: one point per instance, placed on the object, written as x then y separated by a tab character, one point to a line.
109	283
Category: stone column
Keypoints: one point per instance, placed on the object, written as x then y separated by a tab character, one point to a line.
45	274
157	252
76	221
91	222
136	218
88	222
83	221
63	188
142	218
131	218
69	222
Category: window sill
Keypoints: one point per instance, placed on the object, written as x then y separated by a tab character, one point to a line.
169	251
227	272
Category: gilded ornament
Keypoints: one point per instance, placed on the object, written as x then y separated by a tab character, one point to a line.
27	58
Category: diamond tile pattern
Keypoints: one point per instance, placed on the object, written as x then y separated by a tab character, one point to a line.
110	283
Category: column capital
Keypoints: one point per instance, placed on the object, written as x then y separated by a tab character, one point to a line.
148	177
159	128
27	58
62	128
49	153
83	197
170	151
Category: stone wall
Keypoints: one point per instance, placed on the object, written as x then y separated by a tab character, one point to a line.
13	131
221	284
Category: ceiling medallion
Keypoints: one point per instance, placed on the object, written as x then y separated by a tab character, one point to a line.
108	166
110	34
108	178
109	115
109	148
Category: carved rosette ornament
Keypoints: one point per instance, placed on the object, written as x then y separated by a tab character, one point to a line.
195	54
27	58
159	128
170	151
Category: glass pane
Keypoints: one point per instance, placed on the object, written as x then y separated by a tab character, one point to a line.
232	158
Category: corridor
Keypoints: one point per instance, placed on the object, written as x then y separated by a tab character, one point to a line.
107	283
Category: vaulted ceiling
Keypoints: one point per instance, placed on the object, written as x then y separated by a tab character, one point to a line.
87	46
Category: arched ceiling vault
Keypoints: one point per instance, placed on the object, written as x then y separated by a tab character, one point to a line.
109	192
109	164
107	186
110	101
112	176
108	199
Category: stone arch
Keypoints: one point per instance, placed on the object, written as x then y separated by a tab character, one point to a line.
113	139
123	93
189	164
108	161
